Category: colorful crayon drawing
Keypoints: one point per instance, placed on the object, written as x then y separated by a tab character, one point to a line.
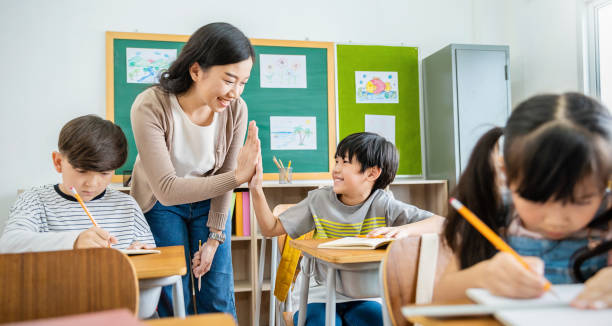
288	133
143	66
376	87
282	71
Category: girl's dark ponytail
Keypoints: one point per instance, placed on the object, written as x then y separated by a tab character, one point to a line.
600	222
477	189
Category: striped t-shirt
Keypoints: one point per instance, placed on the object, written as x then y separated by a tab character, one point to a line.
330	218
44	218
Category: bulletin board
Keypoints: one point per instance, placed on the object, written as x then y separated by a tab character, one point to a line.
379	86
279	111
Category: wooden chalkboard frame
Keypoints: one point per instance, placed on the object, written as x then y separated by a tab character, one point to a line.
331	100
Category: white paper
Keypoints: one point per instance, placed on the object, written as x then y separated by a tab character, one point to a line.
282	71
376	87
383	125
144	65
546	310
287	133
139	251
566	293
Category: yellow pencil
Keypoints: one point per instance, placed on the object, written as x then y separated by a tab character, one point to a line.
491	236
199	277
78	198
289	165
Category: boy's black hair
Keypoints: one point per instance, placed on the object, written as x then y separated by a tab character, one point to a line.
551	143
91	143
370	150
215	44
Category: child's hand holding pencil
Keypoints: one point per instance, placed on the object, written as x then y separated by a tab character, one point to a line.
94	237
506	274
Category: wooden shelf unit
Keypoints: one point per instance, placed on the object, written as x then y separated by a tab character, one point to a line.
431	195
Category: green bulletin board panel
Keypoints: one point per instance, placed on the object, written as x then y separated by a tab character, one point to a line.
317	100
125	92
351	115
311	101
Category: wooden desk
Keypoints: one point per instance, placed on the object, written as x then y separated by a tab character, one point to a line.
456	321
338	256
122	317
334	259
216	319
171	261
157	270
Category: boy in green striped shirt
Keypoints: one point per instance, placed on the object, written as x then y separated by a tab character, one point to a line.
356	204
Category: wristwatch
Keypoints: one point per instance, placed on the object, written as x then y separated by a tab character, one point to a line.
217	236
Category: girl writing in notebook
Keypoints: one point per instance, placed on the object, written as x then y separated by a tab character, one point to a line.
541	183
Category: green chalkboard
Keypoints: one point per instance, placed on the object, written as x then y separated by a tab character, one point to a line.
314	103
351	114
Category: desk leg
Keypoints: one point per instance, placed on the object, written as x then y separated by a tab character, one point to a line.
178	301
304	292
330	305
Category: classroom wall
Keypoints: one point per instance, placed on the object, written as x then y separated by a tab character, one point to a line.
544	39
54	61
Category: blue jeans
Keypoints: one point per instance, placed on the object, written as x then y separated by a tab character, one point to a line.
184	225
351	313
557	257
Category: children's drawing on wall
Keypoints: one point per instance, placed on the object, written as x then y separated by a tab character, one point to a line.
282	71
144	65
377	86
293	133
383	125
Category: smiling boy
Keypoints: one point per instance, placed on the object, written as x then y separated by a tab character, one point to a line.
49	218
356	205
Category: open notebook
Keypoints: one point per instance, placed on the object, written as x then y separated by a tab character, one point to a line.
356	243
139	251
546	310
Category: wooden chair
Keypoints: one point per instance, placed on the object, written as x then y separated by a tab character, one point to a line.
58	283
409	271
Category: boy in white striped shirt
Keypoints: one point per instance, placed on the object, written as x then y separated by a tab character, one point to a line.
48	217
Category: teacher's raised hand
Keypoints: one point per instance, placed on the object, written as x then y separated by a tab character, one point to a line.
248	155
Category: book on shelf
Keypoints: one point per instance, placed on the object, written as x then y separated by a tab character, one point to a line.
230	213
356	243
239	230
246	214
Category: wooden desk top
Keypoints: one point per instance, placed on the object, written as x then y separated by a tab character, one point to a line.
171	261
338	256
455	321
216	319
100	318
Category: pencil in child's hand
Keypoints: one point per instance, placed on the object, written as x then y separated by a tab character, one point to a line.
199	277
370	236
78	198
491	236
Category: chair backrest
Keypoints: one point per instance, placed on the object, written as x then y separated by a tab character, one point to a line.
404	260
58	283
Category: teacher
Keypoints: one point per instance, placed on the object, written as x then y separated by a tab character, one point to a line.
189	130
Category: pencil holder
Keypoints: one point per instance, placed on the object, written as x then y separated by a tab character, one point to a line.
284	175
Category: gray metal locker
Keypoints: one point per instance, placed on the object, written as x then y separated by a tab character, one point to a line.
466	92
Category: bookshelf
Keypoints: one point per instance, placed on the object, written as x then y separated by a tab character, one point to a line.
431	195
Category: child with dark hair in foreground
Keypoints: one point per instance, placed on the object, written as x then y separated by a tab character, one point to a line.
49	217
